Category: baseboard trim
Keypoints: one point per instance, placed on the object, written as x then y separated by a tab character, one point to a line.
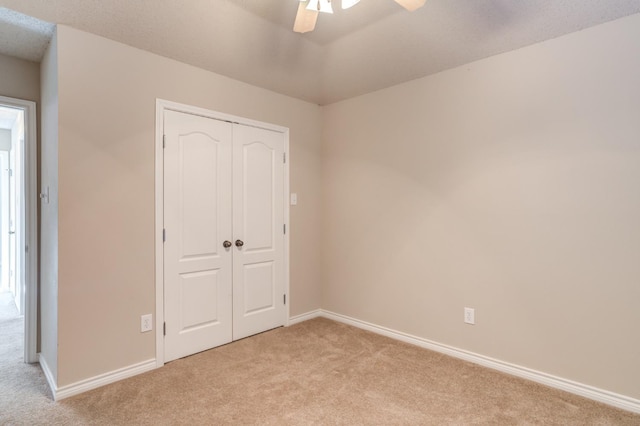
304	317
587	391
590	392
47	374
101	380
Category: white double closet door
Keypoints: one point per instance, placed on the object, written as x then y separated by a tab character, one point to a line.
224	236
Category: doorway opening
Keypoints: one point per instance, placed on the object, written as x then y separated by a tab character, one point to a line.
18	224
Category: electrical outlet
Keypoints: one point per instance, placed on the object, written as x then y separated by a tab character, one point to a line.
469	316
146	323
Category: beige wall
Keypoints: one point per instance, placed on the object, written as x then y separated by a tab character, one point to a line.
49	211
20	79
107	95
510	185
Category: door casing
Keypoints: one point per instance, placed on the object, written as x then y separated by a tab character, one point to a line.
29	229
162	106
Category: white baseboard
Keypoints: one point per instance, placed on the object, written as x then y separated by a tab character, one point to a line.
590	392
47	374
596	394
304	317
97	381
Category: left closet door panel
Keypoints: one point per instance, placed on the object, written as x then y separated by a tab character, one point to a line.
197	222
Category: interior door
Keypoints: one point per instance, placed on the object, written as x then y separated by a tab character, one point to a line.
12	224
258	221
197	222
4	219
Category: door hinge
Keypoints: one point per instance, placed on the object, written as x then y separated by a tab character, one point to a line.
164	235
164	141
284	228
164	328
284	157
284	297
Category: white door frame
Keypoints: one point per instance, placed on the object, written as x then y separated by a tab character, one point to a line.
161	107
30	225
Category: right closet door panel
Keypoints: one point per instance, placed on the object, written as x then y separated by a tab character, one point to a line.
258	228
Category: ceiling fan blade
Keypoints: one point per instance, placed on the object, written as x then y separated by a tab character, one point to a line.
305	19
411	5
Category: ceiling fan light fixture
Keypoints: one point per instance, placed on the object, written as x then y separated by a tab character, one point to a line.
346	4
411	5
320	5
308	11
305	19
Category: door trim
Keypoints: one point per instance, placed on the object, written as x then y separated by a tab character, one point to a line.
30	225
162	106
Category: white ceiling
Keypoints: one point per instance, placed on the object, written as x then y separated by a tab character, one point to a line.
8	117
373	45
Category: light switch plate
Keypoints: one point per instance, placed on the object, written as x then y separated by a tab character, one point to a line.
294	199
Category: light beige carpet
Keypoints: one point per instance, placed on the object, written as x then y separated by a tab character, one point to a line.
316	372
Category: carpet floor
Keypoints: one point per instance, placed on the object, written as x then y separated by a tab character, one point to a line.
315	372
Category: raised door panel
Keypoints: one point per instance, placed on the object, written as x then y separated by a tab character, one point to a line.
258	164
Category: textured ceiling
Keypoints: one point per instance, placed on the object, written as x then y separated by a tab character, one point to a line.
23	36
373	45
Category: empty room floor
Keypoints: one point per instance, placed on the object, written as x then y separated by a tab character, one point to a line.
315	372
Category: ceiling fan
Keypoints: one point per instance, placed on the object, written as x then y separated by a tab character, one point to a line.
308	11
